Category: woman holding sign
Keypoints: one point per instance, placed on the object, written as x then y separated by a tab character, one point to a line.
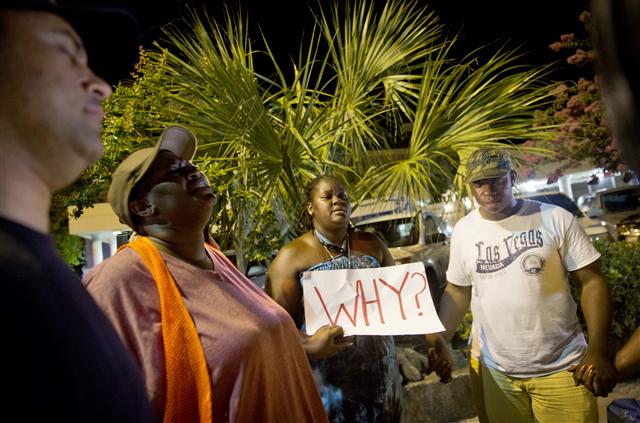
358	377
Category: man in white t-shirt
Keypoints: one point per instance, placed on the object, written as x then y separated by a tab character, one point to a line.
510	260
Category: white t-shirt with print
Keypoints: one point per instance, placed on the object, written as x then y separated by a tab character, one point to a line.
524	318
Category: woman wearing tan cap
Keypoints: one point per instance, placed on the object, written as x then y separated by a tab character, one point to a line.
211	345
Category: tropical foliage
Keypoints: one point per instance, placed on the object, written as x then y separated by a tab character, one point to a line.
583	135
376	98
621	265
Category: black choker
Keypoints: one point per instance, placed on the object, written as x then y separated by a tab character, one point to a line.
329	245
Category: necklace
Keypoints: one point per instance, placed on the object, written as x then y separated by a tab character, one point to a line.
339	251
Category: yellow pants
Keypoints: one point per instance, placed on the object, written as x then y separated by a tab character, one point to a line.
552	398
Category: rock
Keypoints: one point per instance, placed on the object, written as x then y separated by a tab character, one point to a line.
429	401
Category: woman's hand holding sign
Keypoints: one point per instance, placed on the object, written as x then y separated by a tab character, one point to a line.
327	341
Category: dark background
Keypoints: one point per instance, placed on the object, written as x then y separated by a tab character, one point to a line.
530	24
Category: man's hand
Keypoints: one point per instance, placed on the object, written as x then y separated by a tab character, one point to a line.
596	373
413	365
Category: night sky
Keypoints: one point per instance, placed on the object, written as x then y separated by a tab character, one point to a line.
532	24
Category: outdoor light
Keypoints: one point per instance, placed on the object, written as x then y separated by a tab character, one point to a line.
529	186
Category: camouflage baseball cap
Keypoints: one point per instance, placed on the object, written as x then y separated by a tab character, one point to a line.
489	162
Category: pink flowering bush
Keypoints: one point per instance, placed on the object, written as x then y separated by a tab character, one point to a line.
583	134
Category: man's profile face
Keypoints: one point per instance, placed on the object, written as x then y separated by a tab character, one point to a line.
51	100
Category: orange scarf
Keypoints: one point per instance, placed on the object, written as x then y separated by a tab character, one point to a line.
187	382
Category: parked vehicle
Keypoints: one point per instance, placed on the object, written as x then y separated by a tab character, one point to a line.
596	229
413	236
620	207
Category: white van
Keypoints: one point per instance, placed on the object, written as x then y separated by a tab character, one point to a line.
596	229
619	207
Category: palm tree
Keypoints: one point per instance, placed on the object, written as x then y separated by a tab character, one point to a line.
455	109
363	76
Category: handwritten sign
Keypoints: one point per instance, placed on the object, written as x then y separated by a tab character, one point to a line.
382	301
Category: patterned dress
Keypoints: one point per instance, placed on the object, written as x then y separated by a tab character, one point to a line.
361	383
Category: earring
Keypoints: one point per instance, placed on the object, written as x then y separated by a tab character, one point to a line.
149	210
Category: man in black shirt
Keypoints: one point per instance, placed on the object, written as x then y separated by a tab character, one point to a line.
62	361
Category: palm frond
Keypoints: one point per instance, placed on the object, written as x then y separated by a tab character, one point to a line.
372	54
216	89
462	106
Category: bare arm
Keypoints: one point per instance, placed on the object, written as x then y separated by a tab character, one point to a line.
282	285
453	306
595	370
373	245
627	360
